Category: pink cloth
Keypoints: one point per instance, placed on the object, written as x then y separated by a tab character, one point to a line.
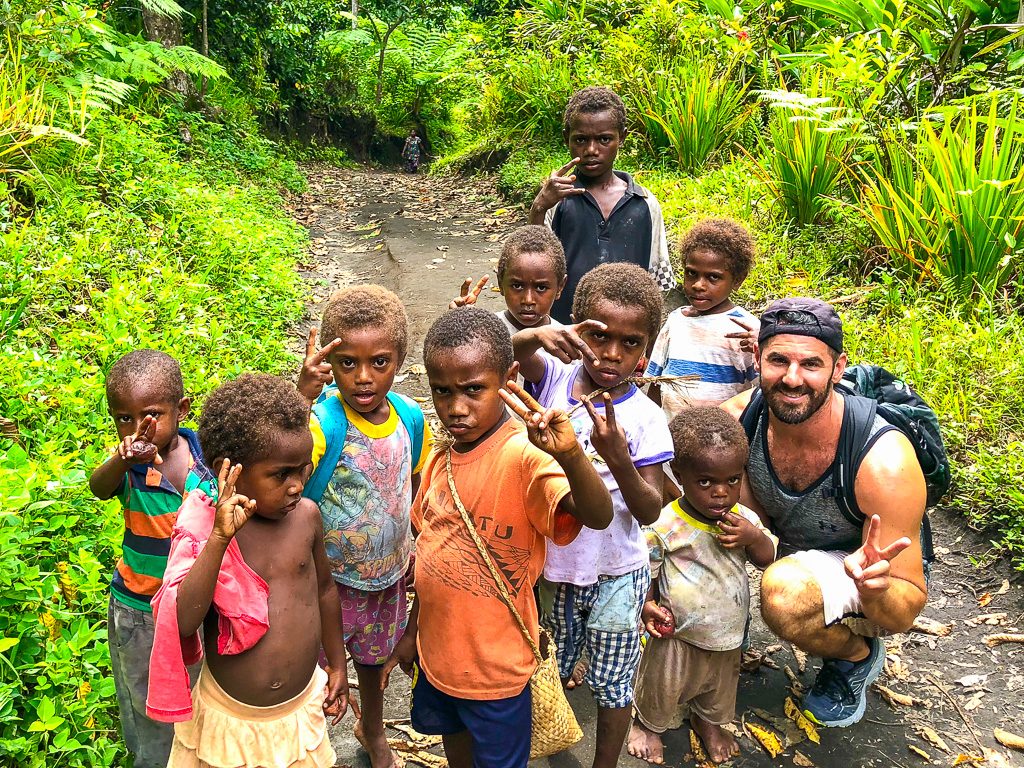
241	599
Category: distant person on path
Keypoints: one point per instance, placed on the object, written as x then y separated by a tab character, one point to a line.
412	151
601	215
699	600
840	584
156	464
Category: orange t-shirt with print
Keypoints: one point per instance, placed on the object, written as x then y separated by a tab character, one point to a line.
470	646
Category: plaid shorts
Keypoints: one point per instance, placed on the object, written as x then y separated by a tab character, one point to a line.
604	619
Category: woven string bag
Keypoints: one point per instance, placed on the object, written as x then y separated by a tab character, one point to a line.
553	724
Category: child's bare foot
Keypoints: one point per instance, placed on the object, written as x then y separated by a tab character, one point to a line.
377	748
644	743
720	744
578	673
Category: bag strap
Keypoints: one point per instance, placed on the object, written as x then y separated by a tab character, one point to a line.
752	414
502	590
330	413
411	416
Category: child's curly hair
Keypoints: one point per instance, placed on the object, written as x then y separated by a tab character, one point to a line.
470	326
702	432
622	283
366	306
149	368
593	99
243	418
532	238
725	237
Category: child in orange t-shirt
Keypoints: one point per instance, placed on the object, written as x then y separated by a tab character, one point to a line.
521	485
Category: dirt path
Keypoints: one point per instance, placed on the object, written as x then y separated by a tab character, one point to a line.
420	237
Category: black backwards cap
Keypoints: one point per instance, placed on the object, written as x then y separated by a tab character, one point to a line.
802	317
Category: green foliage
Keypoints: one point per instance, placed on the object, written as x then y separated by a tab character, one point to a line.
804	158
692	112
949	200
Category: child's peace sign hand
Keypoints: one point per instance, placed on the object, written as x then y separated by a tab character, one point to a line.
138	448
567	343
558	186
746	336
549	429
233	509
467	295
607	436
316	371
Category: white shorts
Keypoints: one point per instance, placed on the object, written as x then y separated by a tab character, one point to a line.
839	594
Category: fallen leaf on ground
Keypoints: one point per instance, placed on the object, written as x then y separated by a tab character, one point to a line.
773	648
985	599
931	627
894	699
793	713
968	680
801	660
991	619
974	702
791	734
767	738
419	739
799	758
933	738
1004	587
411	753
919	752
961	759
994	759
796	685
700	757
1007	739
993	640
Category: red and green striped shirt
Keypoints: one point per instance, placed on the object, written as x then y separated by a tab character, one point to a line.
150	509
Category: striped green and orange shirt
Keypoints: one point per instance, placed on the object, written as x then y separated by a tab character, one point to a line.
150	509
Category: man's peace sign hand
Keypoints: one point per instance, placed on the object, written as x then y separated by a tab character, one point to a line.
469	293
316	371
566	342
558	186
869	565
233	509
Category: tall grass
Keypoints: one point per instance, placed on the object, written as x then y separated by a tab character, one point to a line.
693	112
948	201
803	161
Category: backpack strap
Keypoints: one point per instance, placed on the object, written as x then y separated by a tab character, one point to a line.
411	415
330	413
858	419
752	414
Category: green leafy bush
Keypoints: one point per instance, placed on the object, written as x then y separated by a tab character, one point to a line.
948	200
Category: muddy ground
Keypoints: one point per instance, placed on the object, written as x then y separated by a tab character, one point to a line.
420	237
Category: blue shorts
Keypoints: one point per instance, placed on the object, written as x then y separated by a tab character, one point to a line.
499	728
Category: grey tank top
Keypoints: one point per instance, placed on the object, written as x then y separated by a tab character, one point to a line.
810	519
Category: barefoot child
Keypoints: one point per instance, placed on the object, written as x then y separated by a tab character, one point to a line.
521	485
369	445
156	464
712	337
252	572
600	580
601	215
697	608
531	276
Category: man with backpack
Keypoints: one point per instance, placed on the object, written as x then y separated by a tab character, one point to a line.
839	481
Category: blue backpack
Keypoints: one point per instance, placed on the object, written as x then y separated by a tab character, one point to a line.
330	412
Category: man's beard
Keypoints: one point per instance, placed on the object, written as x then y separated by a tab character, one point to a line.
795	414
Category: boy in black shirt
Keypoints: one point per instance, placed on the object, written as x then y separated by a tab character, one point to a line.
601	215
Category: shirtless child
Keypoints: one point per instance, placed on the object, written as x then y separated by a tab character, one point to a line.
253	572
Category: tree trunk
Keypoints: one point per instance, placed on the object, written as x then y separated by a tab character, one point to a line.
205	45
355	14
380	59
167	31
